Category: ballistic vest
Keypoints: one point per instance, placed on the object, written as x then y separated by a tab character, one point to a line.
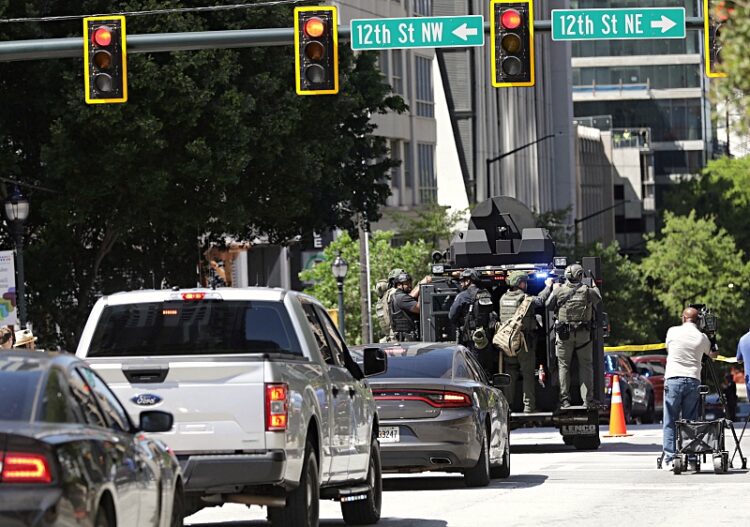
573	303
509	303
401	322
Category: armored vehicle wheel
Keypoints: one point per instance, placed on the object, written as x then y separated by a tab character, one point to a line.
677	465
568	440
586	442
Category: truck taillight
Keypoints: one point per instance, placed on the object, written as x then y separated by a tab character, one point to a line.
276	407
24	467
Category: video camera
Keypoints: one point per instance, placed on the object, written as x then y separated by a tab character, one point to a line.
708	322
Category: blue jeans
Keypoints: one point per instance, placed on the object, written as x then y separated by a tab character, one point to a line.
681	399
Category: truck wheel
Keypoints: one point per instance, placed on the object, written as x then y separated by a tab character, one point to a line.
568	440
479	475
302	503
586	442
503	471
367	512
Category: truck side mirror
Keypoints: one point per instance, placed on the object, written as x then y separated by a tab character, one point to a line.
499	380
375	361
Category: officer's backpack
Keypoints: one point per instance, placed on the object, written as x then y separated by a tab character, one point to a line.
575	306
479	313
382	310
509	334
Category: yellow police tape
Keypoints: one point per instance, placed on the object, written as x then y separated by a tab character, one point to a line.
633	348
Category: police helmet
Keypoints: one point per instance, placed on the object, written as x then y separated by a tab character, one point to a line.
470	274
516	277
574	273
394	273
402	278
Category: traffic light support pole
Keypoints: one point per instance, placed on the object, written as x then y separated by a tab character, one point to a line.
52	48
495	159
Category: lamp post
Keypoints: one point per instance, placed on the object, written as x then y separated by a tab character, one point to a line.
16	213
339	268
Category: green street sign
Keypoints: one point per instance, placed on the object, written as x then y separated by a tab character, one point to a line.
421	32
618	24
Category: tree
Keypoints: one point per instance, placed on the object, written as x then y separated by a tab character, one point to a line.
432	223
211	143
722	192
556	222
694	261
411	256
735	89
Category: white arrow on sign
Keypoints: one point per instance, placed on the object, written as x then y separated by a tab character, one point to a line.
665	24
463	31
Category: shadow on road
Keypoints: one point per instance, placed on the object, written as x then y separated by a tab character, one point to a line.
605	447
456	483
387	522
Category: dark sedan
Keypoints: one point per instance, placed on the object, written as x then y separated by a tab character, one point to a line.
439	411
69	454
638	399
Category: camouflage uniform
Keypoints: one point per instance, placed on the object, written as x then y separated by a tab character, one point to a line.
573	304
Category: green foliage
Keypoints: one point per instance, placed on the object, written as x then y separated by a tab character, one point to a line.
633	312
432	223
735	89
412	256
211	143
695	261
557	223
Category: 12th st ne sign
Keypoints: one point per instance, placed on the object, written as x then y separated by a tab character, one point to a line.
618	24
422	32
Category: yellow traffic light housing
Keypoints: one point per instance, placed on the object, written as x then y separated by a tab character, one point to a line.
105	59
316	51
512	43
715	15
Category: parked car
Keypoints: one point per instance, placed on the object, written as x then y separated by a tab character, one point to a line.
638	398
439	411
653	368
270	408
70	454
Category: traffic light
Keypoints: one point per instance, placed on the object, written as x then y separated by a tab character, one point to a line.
316	51
104	59
512	44
715	15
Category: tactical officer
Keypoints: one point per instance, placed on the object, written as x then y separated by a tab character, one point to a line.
404	308
385	289
573	304
525	361
472	313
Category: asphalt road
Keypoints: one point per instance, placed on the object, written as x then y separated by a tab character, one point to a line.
551	484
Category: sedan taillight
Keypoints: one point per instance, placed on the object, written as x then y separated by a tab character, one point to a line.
435	398
276	407
24	467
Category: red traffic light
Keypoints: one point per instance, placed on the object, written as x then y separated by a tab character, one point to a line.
314	27
102	36
510	19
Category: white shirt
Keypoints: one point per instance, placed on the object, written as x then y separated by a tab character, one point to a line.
686	345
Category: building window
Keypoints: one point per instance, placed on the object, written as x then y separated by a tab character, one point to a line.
427	179
423	7
619	192
383	63
397	76
396	171
425	101
407	165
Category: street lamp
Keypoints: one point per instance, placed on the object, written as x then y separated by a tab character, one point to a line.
16	213
339	268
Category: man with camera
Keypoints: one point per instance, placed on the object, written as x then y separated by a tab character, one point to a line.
743	356
573	304
686	346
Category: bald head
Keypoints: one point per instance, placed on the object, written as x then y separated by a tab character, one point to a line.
690	315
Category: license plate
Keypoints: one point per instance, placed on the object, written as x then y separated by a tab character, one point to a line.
578	430
388	434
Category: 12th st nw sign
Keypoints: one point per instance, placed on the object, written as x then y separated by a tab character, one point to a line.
615	24
422	32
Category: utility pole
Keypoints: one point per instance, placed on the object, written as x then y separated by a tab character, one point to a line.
495	159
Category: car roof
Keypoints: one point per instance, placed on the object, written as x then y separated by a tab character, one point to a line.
43	359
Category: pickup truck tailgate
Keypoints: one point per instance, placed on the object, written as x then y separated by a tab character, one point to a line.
218	405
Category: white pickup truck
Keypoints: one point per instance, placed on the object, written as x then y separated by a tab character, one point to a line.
270	409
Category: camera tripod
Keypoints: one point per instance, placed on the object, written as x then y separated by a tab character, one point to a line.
729	424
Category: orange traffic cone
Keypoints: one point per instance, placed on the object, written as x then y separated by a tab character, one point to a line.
616	414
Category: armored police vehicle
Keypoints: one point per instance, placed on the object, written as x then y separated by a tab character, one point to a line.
502	238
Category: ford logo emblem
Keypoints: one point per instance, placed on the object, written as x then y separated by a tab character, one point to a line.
146	399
